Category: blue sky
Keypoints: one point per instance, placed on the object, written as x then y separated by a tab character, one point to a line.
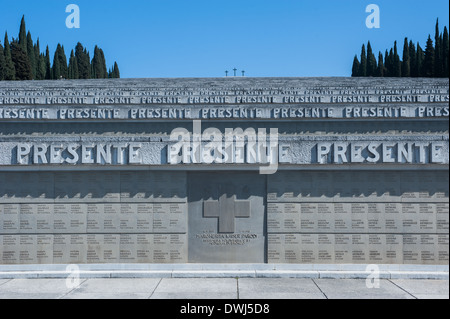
203	38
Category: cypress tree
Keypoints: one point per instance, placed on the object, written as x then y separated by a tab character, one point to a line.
437	52
103	64
73	66
2	63
406	66
380	68
428	63
83	61
21	62
59	63
397	67
10	70
386	62
31	55
419	60
412	58
48	69
355	68
40	70
97	68
363	65
116	72
23	35
445	53
371	61
391	63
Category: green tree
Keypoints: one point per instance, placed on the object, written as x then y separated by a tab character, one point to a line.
60	63
73	66
116	71
380	68
406	63
2	63
21	62
363	63
83	61
371	61
438	70
428	63
412	58
445	53
98	64
40	70
23	35
31	55
10	70
420	57
397	67
48	68
355	67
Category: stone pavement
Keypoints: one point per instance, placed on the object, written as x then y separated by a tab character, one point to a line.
221	288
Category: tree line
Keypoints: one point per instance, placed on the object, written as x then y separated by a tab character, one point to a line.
415	62
22	59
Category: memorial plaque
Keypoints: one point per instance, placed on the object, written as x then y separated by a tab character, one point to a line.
178	248
9	218
308	217
44	218
169	218
111	218
342	217
161	248
411	249
275	248
227	224
442	249
70	249
9	249
359	213
394	249
375	218
442	218
144	218
377	248
94	248
128	218
343	248
28	249
410	218
393	217
325	218
360	248
325	249
110	248
144	248
428	247
427	218
28	214
283	217
128	248
308	248
44	249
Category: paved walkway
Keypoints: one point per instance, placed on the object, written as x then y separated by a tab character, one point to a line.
221	288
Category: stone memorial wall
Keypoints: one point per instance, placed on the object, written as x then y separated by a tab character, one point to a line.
234	170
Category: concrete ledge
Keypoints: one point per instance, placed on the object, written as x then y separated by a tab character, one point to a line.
332	271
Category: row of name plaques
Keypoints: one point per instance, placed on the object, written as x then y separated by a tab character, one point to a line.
358	217
358	248
93	248
93	218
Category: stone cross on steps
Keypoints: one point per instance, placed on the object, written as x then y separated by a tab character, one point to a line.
227	209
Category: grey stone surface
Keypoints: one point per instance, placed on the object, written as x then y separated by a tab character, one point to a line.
285	288
34	289
424	289
205	288
357	289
